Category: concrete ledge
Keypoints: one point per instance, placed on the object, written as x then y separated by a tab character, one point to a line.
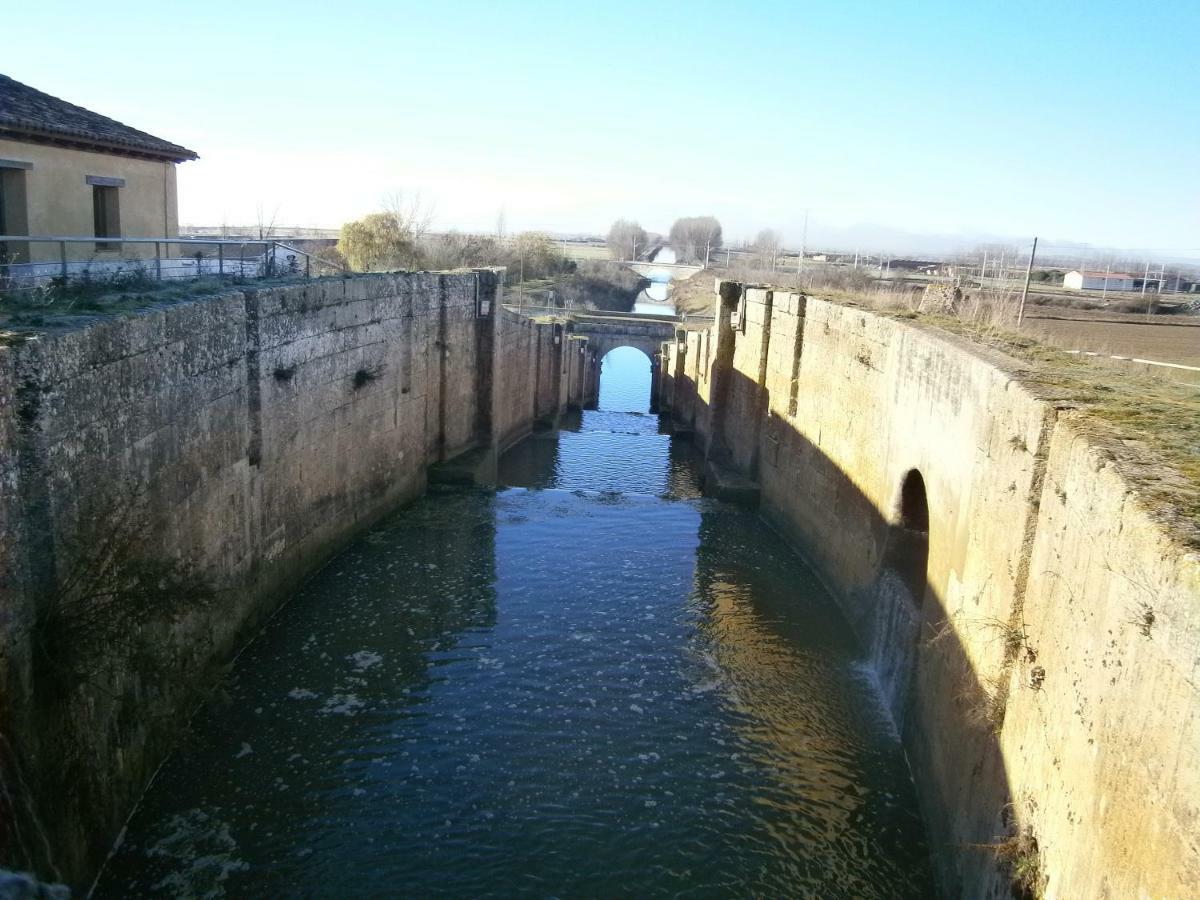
726	484
475	467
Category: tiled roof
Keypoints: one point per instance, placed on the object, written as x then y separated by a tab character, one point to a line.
28	114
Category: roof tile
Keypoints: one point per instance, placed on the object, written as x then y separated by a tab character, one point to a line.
30	113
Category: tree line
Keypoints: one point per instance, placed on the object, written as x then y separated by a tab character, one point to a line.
398	237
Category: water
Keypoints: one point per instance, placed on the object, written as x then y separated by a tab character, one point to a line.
590	683
656	299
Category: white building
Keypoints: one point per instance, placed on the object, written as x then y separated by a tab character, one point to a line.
1098	281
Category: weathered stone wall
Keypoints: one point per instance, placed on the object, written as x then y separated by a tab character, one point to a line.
515	404
583	371
548	372
1042	667
215	452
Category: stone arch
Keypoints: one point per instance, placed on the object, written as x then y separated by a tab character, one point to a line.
907	551
898	597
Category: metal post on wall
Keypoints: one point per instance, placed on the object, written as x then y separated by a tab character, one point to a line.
158	259
221	260
62	255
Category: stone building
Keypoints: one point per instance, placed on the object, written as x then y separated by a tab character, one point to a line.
68	171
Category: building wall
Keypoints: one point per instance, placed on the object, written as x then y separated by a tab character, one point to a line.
1043	676
1114	284
59	201
224	447
1075	281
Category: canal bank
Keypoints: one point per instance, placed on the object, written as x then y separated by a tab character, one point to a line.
1042	670
591	682
1020	581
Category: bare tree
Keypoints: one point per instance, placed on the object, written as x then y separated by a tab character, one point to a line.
266	229
766	247
626	239
694	238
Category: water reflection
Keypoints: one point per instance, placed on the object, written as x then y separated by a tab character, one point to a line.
592	683
656	298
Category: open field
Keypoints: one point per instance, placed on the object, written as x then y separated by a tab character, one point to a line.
1160	338
582	250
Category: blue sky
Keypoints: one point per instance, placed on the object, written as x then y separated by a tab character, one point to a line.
1068	120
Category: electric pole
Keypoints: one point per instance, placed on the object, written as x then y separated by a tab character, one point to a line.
1025	291
803	244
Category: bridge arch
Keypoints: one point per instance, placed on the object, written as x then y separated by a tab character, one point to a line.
607	331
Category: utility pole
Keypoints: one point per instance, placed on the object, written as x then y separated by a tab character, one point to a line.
803	244
1107	269
1025	291
983	269
1145	278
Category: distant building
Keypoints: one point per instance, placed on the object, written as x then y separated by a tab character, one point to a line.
67	171
1098	281
924	266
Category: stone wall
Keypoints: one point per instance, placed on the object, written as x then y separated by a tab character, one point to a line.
1037	640
547	374
203	458
522	343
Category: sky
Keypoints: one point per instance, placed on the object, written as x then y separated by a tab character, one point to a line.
880	122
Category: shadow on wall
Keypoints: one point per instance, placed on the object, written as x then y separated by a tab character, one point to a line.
925	675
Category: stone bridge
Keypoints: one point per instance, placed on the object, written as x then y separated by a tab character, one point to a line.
661	273
607	331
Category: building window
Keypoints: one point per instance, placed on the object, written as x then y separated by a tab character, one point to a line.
13	216
106	210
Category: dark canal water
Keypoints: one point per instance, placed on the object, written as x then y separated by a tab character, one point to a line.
591	683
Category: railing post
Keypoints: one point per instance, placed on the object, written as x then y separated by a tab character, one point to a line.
158	259
307	266
221	260
62	255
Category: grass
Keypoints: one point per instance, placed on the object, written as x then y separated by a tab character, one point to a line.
593	285
59	300
1151	426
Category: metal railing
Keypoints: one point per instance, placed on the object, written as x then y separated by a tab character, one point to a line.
117	260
